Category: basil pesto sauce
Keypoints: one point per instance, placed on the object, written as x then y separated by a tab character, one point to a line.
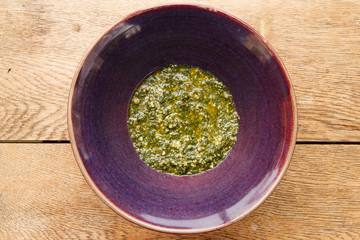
182	120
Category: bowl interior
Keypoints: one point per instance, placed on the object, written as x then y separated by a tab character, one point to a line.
218	43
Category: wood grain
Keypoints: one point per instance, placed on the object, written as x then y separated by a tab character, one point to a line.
44	196
41	43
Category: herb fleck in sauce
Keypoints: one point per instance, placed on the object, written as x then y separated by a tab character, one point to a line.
182	120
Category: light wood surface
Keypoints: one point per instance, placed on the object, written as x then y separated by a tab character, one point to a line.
44	196
42	42
42	192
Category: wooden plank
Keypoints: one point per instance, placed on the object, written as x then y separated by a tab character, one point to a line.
44	196
43	41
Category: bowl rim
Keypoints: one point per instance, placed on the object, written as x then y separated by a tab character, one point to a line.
133	219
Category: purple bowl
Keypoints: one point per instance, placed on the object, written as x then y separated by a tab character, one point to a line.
182	34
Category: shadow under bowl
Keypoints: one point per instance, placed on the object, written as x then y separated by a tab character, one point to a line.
239	57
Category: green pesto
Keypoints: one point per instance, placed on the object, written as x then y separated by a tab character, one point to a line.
182	120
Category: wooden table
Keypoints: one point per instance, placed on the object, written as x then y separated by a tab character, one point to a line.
42	192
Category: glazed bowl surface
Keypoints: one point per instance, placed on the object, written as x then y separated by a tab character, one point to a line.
217	42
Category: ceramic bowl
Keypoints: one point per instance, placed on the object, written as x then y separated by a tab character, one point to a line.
228	48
